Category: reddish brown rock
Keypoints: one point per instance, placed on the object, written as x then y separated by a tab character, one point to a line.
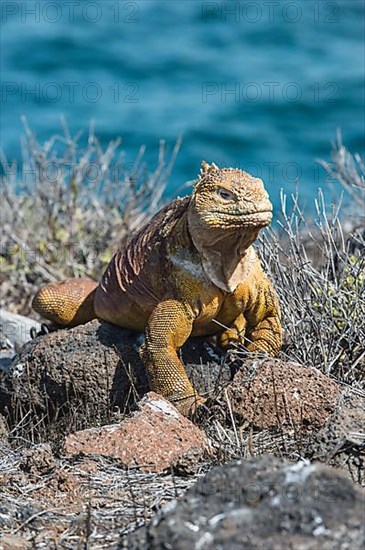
277	394
38	460
154	438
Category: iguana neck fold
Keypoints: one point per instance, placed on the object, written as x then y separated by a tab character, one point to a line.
226	255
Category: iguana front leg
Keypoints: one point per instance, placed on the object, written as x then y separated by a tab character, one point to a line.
258	326
233	335
264	331
168	328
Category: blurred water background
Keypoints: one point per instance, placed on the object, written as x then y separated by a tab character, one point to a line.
262	85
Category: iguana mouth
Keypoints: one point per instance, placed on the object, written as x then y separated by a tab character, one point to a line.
261	218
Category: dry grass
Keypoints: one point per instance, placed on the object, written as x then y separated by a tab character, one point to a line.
78	503
69	227
319	273
66	209
323	306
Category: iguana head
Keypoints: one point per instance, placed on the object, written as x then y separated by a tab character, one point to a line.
230	198
226	211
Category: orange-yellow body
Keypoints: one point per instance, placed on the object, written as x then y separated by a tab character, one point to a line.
190	271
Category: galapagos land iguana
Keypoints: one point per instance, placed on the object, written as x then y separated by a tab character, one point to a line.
190	271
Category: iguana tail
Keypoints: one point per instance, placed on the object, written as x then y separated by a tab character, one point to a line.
68	303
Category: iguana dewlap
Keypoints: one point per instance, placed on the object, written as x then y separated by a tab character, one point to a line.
190	271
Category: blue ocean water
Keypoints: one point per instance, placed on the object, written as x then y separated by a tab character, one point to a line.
262	85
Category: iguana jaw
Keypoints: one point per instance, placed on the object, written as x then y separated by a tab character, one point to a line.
234	221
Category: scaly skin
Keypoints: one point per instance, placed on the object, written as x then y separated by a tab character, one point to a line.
190	271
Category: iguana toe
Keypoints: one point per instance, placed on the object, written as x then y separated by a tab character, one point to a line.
189	405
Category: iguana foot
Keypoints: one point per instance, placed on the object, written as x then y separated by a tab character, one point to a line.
188	406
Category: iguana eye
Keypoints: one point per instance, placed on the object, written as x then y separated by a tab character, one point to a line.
225	195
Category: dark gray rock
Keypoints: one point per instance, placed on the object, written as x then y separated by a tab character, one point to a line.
80	376
341	442
264	503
